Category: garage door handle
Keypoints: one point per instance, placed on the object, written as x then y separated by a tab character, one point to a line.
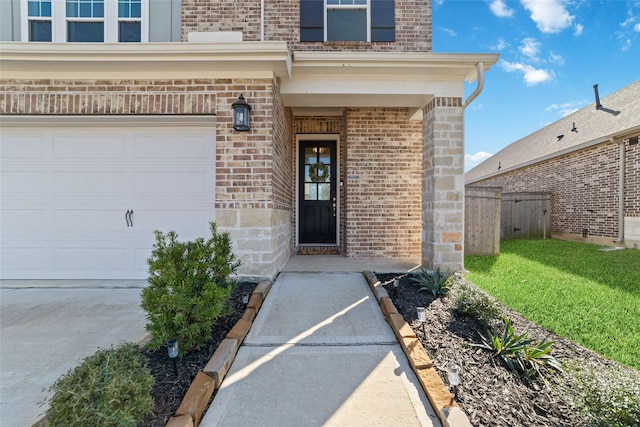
131	217
127	217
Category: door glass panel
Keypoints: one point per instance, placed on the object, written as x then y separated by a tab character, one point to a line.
310	155
317	173
311	191
324	191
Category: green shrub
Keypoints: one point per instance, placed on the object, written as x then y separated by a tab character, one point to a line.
188	286
476	304
112	387
432	281
519	353
608	396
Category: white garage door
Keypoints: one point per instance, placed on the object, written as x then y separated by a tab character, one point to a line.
82	202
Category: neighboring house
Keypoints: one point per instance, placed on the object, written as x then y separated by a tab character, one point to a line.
590	163
117	121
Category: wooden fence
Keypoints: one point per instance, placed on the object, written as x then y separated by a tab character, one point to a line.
525	216
482	221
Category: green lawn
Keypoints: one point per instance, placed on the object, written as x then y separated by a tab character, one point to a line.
574	289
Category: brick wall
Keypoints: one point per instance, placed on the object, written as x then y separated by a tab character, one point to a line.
584	187
282	23
383	191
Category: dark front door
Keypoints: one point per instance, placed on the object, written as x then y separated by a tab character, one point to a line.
318	200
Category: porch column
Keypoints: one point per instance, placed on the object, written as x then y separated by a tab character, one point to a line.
443	185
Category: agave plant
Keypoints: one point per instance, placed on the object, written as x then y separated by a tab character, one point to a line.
435	282
517	354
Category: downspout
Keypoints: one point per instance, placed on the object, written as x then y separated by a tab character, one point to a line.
480	69
261	20
621	178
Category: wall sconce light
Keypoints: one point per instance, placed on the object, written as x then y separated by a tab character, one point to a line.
241	112
173	350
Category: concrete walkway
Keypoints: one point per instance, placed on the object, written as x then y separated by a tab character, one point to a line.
320	353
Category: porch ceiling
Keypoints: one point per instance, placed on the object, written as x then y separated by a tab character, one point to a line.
377	79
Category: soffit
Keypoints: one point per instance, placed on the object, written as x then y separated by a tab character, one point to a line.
378	79
309	79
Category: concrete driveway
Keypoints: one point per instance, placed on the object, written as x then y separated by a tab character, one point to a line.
47	328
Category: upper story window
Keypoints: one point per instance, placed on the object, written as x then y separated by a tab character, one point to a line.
347	20
85	20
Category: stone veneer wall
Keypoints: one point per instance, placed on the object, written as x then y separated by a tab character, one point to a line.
584	187
383	196
443	185
253	196
282	23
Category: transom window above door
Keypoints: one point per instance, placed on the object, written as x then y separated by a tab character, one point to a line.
94	21
347	20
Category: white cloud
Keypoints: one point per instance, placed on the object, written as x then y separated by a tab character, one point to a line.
550	16
500	9
556	59
532	76
637	28
578	29
500	45
473	160
449	31
530	48
566	108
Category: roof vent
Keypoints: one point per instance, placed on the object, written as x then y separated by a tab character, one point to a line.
598	105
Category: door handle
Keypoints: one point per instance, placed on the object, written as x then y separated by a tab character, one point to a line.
129	217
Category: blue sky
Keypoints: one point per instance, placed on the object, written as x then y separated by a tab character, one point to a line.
552	52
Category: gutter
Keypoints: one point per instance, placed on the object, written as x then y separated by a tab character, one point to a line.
480	69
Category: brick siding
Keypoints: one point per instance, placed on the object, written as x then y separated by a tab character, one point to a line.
383	191
584	187
282	23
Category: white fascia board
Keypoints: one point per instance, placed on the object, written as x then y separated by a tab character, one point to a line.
407	65
147	60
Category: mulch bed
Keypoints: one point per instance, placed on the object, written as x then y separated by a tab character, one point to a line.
489	393
169	389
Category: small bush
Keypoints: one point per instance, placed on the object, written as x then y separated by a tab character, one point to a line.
608	396
433	281
112	387
188	286
476	304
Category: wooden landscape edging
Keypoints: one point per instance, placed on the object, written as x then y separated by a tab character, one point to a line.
448	411
195	401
